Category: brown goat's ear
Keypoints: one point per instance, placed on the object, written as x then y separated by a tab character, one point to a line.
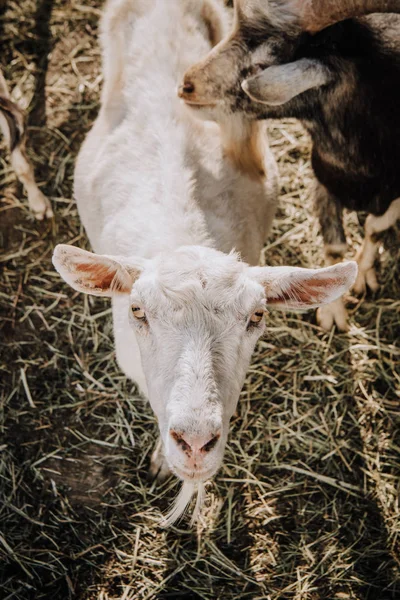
296	288
93	273
277	85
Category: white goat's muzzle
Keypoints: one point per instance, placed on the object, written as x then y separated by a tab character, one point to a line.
195	476
194	456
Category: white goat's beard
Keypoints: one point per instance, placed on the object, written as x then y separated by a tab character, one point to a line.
182	501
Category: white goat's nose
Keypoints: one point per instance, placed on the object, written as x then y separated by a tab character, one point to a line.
194	444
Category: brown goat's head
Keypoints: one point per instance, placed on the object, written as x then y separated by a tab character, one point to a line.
259	65
262	36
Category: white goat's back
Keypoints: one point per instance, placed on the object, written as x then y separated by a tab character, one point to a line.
135	156
150	176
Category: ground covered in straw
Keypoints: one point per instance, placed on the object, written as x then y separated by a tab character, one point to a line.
306	505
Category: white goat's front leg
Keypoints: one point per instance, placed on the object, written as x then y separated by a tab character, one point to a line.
13	127
329	212
159	469
367	254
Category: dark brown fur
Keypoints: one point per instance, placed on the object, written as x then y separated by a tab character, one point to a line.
354	120
329	211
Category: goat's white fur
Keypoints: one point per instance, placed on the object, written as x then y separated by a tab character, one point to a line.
158	197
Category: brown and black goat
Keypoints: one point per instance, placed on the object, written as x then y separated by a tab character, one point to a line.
336	69
12	125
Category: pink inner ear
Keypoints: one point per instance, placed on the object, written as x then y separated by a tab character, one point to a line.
304	292
101	277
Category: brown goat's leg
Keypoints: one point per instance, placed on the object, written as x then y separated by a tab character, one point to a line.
330	215
13	128
38	203
367	254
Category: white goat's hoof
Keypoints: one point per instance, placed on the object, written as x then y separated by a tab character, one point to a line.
366	278
40	205
332	314
159	469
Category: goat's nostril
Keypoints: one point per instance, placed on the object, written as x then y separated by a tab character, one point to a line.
193	446
179	440
188	87
211	443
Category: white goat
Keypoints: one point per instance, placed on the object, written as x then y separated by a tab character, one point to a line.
13	127
165	199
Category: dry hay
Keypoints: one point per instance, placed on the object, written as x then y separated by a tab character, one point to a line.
306	505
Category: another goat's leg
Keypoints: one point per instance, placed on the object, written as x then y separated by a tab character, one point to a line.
159	469
367	253
13	127
330	215
38	203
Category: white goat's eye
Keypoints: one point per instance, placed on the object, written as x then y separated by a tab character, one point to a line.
138	313
256	317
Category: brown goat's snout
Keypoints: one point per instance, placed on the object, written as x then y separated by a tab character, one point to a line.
192	93
186	88
195	90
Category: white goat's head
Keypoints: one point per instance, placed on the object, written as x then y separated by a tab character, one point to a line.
197	314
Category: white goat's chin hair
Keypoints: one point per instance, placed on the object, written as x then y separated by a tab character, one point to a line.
182	501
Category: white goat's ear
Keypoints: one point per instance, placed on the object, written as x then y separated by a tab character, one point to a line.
278	84
93	273
296	288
